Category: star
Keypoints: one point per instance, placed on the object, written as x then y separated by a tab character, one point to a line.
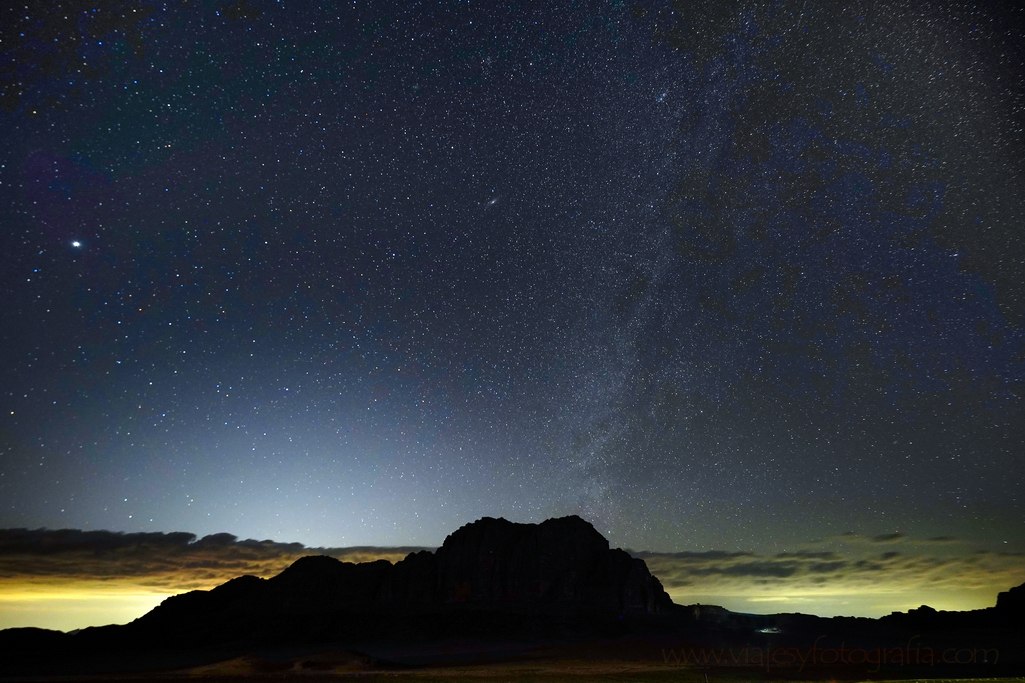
726	283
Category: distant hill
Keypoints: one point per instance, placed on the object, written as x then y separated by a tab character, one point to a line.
491	576
501	587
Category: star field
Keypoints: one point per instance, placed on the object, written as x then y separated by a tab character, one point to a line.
711	275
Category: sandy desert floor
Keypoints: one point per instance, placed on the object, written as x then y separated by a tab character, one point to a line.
328	666
568	671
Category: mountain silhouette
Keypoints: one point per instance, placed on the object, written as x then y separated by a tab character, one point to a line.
499	584
492	576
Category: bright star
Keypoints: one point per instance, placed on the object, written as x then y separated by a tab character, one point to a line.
76	244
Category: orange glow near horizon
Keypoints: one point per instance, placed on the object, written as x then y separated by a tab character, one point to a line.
831	602
75	605
65	602
852	576
69	605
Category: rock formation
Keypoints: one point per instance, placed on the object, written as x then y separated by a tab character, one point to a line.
560	562
1012	601
501	572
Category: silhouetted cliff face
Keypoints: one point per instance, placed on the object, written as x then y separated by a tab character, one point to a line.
1012	602
556	582
558	562
1009	611
561	567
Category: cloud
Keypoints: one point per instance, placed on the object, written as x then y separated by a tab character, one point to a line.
813	554
174	561
698	555
901	571
855	574
854	538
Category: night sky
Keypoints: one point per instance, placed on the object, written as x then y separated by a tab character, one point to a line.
719	277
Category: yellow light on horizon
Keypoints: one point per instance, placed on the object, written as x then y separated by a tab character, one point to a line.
73	605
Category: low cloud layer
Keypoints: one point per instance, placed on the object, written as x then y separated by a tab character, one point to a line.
172	562
943	571
851	574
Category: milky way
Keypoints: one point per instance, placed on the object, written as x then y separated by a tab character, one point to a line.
712	275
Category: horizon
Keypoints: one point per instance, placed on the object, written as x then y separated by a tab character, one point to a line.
99	577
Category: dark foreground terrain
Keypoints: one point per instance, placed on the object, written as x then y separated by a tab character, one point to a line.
505	601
